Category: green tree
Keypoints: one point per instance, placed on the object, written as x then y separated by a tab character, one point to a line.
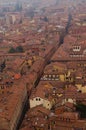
12	50
81	108
19	49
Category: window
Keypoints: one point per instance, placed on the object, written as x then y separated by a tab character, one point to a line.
11	82
27	63
7	82
48	127
80	91
35	123
66	99
76	48
36	99
68	119
32	51
53	70
49	76
46	76
70	78
46	95
78	64
67	78
57	76
54	88
42	125
53	76
2	87
46	117
54	122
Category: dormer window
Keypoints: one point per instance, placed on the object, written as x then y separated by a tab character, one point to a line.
76	48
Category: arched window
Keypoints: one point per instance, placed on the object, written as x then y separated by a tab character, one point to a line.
36	99
39	99
2	87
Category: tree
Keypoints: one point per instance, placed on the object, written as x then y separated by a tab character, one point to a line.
81	108
45	19
12	50
19	49
2	66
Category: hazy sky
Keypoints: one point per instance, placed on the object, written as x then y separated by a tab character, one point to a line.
42	1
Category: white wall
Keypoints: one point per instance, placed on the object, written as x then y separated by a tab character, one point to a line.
39	101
